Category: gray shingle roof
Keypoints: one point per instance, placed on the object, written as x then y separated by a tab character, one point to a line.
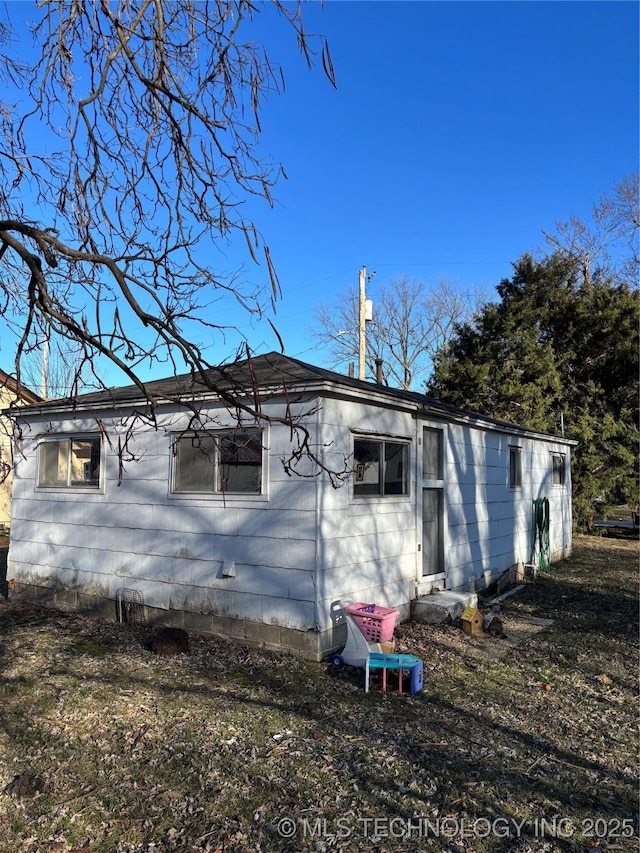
272	371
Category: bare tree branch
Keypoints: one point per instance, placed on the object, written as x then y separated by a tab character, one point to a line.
411	320
609	243
133	142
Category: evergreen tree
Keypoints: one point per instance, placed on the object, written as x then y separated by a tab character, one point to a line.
558	345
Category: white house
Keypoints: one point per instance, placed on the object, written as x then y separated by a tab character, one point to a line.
210	532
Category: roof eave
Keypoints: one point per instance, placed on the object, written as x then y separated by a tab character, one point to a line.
379	395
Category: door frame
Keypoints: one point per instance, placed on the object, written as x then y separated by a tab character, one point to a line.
427	482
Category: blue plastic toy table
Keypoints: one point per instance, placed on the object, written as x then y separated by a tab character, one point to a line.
395	662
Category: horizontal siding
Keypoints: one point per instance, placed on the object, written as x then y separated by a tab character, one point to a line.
490	526
124	545
172	549
298	547
367	546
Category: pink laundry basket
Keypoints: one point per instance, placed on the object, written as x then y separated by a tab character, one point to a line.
376	623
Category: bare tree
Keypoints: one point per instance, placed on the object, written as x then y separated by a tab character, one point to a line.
411	321
609	242
129	148
53	367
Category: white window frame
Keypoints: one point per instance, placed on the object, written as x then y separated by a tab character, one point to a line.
92	484
359	473
210	457
515	472
559	470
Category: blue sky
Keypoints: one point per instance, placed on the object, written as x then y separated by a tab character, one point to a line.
458	131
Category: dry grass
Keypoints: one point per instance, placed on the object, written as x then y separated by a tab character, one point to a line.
516	744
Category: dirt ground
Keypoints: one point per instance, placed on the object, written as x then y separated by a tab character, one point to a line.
526	743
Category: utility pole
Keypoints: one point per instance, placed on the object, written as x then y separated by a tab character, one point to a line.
362	343
44	376
365	315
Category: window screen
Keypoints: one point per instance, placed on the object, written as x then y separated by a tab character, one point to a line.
431	454
379	467
69	463
515	468
229	462
558	469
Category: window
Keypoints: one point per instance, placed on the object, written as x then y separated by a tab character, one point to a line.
69	463
380	467
557	469
515	467
431	454
226	463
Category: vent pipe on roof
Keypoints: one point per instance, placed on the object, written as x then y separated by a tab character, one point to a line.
379	363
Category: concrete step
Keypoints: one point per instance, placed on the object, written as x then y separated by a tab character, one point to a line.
443	606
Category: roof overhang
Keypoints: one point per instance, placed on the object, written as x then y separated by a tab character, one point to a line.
276	377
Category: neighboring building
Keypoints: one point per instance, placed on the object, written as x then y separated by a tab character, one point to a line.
11	394
213	534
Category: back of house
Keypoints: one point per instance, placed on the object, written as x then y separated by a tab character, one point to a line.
218	524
